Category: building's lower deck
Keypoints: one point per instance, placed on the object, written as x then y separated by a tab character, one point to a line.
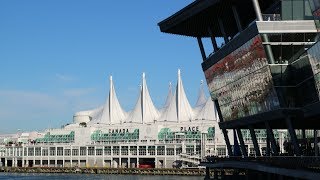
111	155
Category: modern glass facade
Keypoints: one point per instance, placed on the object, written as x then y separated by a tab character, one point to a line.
246	81
315	8
296	10
314	56
242	82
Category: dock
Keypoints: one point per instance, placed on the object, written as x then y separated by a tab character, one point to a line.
131	171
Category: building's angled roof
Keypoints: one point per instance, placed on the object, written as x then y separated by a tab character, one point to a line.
144	110
112	112
194	19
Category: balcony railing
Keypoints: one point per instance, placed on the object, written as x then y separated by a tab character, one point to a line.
271	17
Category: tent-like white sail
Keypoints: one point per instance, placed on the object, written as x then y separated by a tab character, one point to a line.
179	108
168	99
176	108
144	110
207	112
112	112
201	96
201	101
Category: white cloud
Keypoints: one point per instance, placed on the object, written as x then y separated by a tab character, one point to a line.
28	99
76	92
31	110
63	77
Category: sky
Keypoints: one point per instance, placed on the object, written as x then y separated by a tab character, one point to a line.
56	57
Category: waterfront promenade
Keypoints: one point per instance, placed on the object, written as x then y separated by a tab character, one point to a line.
193	172
131	171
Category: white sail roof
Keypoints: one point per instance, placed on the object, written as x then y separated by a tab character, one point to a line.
168	99
179	108
201	96
207	112
176	108
112	112
144	110
96	113
201	101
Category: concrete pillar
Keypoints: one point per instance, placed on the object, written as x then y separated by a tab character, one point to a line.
103	164
138	163
165	150
87	159
203	145
63	160
34	156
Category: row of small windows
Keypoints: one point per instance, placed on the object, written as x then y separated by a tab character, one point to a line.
107	151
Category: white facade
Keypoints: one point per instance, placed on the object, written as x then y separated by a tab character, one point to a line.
110	137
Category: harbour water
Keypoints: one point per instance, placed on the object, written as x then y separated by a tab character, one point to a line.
41	176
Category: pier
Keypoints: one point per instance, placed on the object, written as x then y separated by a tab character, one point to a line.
216	173
137	171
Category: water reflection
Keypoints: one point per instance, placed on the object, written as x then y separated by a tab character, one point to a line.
242	82
31	176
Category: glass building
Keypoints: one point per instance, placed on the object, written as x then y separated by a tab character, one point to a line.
263	70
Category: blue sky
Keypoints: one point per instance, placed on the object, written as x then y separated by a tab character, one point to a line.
56	56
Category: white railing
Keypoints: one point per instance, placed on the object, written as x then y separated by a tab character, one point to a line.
271	17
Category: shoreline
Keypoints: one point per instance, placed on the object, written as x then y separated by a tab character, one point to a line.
124	171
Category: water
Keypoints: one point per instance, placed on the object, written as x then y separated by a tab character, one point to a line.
37	176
